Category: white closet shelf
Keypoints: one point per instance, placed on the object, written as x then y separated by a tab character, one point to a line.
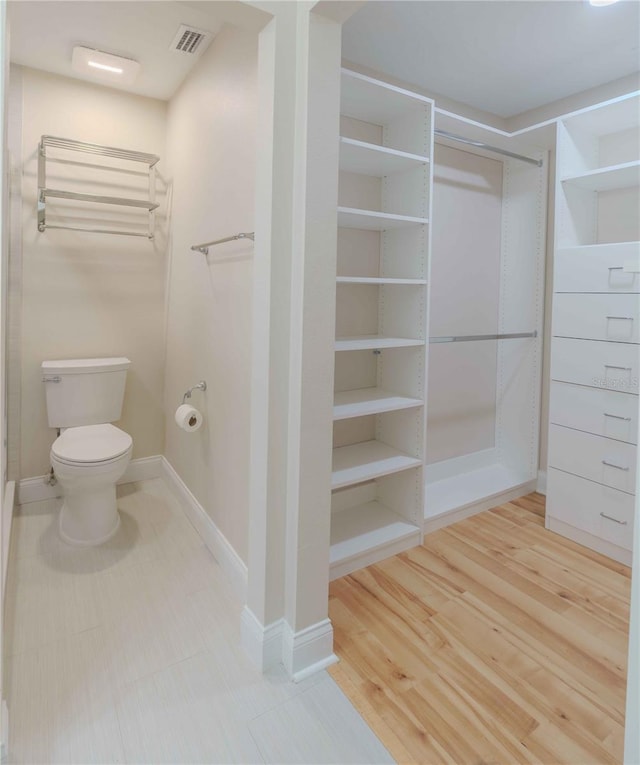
368	460
372	220
379	280
373	342
603	247
363	530
377	161
621	176
365	401
365	98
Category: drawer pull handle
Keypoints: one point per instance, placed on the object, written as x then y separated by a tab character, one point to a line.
616	268
610	518
613	465
621	318
613	366
617	417
49	379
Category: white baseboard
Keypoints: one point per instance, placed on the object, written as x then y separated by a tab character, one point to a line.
262	644
213	538
459	514
541	486
308	651
35	489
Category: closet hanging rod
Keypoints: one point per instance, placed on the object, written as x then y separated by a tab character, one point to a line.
488	147
468	338
204	248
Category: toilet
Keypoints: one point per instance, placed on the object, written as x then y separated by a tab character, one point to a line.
84	396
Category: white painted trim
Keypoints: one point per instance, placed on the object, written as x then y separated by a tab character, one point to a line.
541	485
460	513
8	509
4	745
35	489
214	539
308	651
262	644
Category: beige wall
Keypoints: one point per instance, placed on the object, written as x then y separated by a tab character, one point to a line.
211	149
89	294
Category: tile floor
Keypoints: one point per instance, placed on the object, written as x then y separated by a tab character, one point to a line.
130	652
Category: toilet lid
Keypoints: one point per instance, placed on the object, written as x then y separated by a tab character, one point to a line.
91	443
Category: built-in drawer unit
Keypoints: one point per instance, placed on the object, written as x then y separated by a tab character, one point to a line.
603	460
614	366
597	510
597	317
595	410
598	268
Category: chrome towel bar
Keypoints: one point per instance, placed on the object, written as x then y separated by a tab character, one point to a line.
204	248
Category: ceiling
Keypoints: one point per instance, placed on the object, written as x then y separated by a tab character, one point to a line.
504	57
43	35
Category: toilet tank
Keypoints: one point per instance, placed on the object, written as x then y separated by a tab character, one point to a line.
84	391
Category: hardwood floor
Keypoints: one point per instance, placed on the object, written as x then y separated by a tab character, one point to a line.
494	642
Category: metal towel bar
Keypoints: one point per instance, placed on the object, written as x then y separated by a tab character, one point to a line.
204	248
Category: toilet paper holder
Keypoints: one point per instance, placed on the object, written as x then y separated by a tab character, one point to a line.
202	385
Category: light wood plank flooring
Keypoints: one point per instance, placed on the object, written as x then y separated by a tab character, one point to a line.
495	642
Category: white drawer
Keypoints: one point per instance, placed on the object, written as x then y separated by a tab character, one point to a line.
595	410
609	462
614	366
597	269
586	505
597	317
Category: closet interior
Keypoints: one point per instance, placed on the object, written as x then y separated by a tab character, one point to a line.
595	363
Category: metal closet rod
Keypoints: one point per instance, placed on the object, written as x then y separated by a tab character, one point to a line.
468	338
204	248
488	147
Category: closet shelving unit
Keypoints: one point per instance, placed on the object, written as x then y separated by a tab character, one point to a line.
470	481
81	170
381	322
595	351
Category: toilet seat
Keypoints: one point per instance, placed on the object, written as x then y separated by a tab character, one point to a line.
91	444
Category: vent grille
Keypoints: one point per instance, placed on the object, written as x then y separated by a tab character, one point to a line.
189	40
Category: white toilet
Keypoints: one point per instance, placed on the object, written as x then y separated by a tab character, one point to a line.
90	455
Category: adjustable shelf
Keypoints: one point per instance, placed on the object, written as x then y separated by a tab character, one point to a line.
360	532
379	280
367	401
368	460
622	176
372	220
378	161
375	342
121	161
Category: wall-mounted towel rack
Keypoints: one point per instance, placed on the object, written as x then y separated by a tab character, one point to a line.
204	248
121	156
488	147
468	338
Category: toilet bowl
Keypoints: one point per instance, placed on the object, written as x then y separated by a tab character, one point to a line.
88	461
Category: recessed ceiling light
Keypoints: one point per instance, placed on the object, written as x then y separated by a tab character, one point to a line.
103	66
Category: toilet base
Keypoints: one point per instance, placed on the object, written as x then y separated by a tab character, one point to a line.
89	518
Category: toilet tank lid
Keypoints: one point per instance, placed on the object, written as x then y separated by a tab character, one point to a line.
85	366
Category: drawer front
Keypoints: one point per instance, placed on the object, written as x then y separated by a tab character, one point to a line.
597	317
595	410
598	510
599	459
614	366
603	271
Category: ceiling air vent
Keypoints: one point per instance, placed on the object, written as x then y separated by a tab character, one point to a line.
189	40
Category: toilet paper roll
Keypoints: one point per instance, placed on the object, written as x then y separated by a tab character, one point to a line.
188	418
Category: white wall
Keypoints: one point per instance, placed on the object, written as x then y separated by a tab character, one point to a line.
89	294
211	145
